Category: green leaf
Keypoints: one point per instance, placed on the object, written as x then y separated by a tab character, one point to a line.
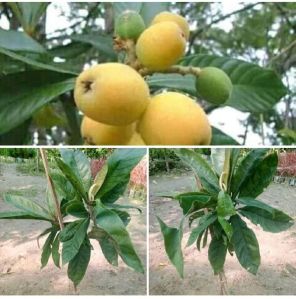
261	177
76	208
20	215
150	10
227	228
120	165
55	67
18	135
71	246
225	205
194	201
70	51
64	188
217	158
173	245
118	207
246	168
69	231
220	138
123	215
79	164
201	168
245	244
72	177
110	222
195	215
28	206
78	265
102	43
173	82
28	14
46	250
234	155
19	41
205	238
108	245
217	254
34	90
274	221
55	251
199	238
255	89
98	181
204	222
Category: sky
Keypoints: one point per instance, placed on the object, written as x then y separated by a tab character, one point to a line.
227	119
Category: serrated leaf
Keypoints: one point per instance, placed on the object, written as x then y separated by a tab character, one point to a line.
28	14
71	247
217	158
255	184
46	249
20	215
246	168
204	223
76	208
72	177
194	201
34	90
108	245
102	43
111	223
120	165
217	254
119	207
245	245
221	138
19	41
55	251
79	164
227	228
275	222
98	181
55	67
225	205
255	89
28	206
78	265
172	242
200	166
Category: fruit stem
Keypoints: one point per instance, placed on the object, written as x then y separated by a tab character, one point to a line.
131	57
175	69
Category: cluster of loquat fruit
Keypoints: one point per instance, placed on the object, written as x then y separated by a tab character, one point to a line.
115	98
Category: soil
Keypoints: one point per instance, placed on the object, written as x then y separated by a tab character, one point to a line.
20	272
277	272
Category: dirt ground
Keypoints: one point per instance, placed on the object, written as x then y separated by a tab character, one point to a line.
277	272
20	272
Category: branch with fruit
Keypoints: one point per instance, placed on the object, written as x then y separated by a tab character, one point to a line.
115	98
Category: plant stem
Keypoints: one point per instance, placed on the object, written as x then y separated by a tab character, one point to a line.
52	188
223	283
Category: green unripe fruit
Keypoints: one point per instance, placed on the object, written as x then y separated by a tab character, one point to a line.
129	25
213	85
